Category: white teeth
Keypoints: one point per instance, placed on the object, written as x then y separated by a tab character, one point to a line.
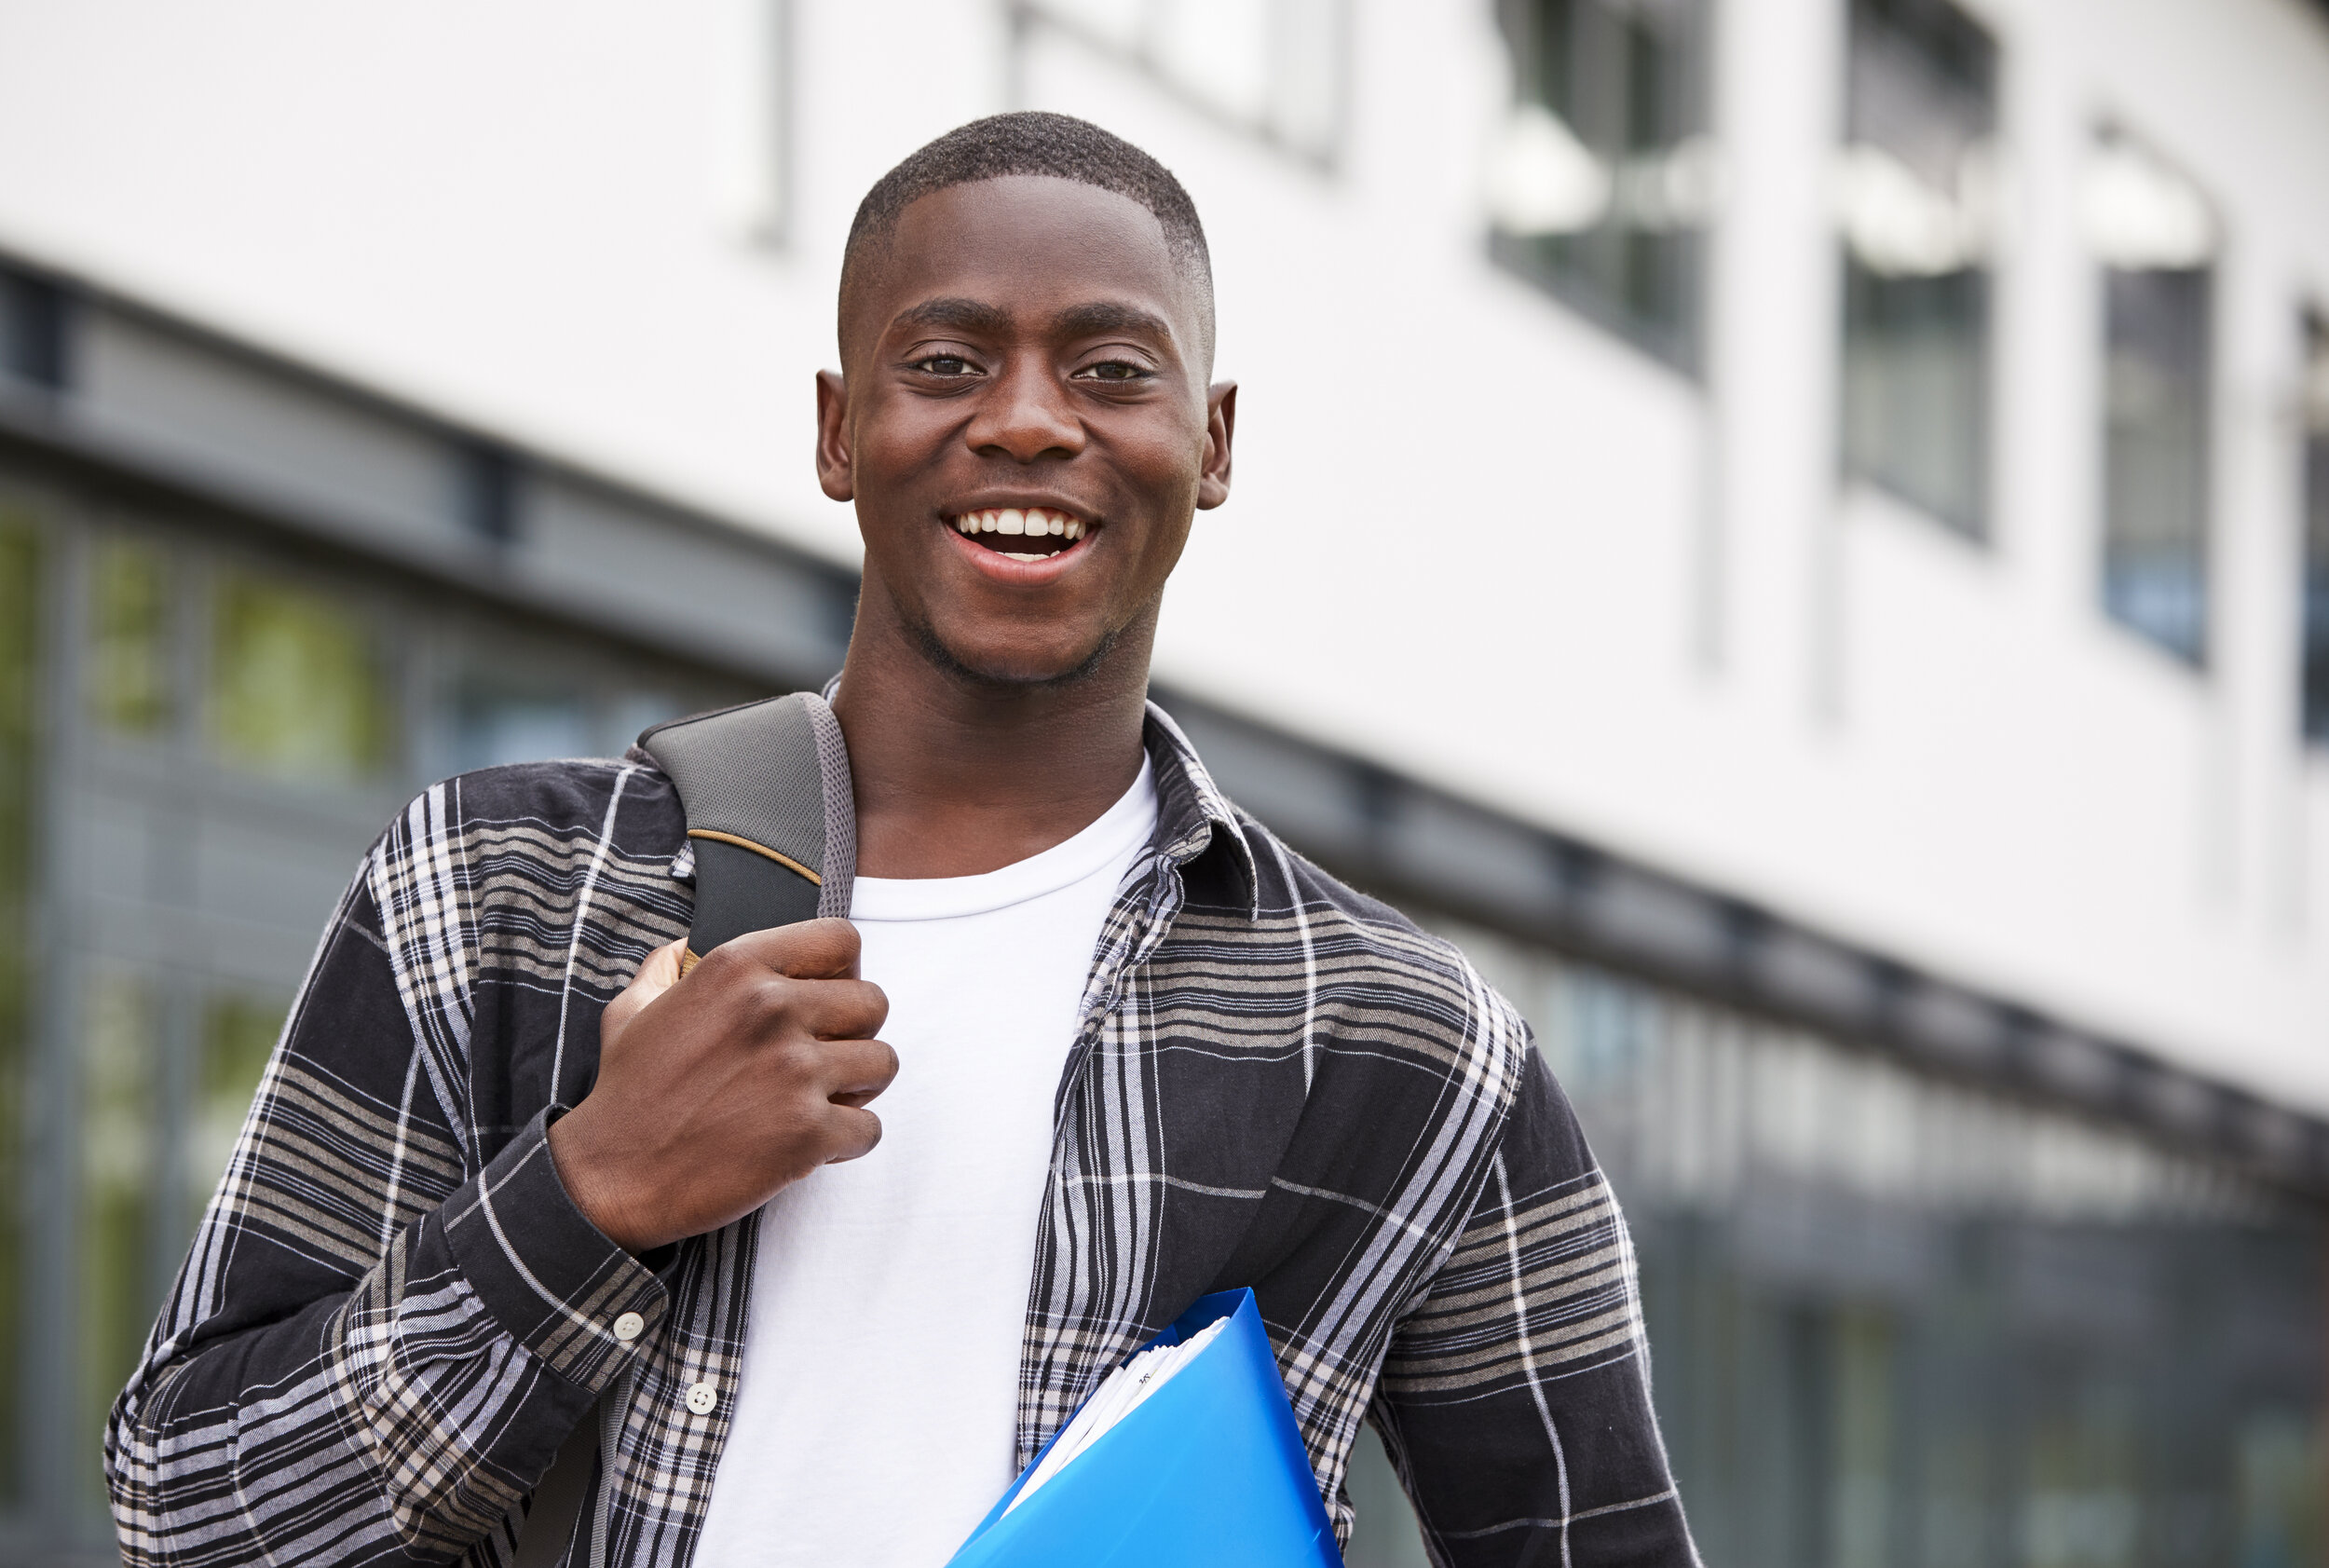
1021	555
1033	522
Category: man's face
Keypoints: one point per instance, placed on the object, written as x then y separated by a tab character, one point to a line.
1025	427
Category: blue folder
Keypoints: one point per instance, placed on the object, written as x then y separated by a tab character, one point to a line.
1208	1470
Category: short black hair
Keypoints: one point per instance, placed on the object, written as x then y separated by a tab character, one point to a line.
1039	142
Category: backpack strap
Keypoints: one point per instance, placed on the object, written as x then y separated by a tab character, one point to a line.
771	817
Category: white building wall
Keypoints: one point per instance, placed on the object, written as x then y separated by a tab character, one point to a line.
1473	534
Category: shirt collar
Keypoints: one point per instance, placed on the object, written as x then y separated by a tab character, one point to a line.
1192	814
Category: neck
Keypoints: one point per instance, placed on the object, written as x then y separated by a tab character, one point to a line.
955	776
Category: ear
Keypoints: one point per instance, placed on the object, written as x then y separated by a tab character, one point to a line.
835	472
1220	424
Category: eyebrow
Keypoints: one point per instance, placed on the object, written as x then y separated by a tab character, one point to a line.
1096	319
1105	315
962	315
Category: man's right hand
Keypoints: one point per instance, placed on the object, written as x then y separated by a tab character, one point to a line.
715	1091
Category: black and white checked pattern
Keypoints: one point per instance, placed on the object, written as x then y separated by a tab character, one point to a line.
392	1315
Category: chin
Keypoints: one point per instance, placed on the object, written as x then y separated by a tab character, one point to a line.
1011	666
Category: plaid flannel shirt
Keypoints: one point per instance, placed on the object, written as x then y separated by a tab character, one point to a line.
392	1315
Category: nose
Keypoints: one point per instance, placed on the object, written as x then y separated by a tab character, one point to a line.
1026	415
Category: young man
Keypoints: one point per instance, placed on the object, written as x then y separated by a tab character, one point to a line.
488	1207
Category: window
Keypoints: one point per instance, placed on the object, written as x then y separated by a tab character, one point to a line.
21	620
1604	178
120	1125
297	687
1915	194
1275	68
129	660
239	1033
36	336
2316	405
2155	235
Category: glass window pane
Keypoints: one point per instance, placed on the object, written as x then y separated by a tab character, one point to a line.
496	723
129	668
297	686
1602	183
238	1034
19	685
2155	235
1915	185
119	1070
2154	568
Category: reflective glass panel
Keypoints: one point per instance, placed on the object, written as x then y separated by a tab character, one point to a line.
2155	235
20	684
128	663
1602	182
1916	185
2155	568
238	1036
496	723
121	1092
298	685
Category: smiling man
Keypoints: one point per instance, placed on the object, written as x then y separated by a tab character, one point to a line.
769	1290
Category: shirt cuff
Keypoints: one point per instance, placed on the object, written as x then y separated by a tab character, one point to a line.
548	1277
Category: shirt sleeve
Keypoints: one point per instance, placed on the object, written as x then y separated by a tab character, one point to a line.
380	1337
1515	1399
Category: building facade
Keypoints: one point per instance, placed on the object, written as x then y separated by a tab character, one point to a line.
1823	515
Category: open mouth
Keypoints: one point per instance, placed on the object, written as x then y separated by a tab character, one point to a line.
1030	534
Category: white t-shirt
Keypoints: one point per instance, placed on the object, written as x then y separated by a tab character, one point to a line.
874	1421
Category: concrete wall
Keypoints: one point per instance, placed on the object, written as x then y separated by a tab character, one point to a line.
1475	536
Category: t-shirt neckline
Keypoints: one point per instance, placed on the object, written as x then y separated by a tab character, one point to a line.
1112	836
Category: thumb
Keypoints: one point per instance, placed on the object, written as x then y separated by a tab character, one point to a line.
658	972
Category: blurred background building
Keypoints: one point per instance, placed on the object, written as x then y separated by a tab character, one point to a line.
1820	509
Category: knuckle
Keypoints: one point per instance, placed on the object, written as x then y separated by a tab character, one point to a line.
774	998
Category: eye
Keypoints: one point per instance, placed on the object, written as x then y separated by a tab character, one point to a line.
1117	371
945	364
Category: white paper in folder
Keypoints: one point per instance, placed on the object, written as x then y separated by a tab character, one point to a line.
1118	1398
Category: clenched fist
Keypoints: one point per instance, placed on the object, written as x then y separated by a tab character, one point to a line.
716	1090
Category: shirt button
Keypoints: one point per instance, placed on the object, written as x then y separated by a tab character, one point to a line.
627	1326
702	1397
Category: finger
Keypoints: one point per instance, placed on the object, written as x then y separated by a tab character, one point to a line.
850	1134
658	972
834	1009
857	1069
806	950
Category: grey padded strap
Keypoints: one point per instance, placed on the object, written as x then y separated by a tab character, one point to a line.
766	787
